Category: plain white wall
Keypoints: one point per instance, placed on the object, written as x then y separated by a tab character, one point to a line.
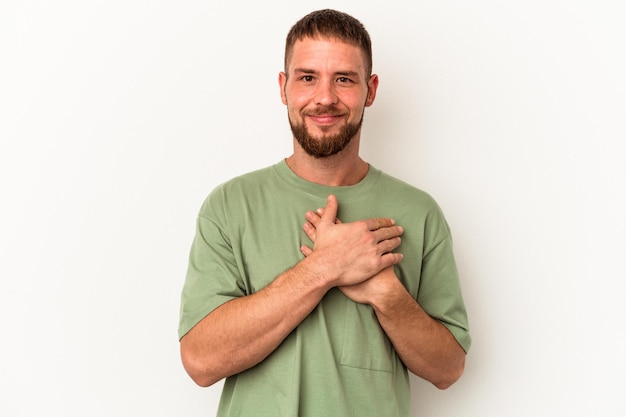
118	117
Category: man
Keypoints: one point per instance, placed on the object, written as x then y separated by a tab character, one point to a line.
322	319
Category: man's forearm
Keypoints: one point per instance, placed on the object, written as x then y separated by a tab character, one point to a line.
244	331
426	346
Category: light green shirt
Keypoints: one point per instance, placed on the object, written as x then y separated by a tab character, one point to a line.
338	361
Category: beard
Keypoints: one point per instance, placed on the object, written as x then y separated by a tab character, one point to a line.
326	145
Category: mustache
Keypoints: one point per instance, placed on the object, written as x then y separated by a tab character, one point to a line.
324	111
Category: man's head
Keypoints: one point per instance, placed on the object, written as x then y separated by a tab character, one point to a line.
327	81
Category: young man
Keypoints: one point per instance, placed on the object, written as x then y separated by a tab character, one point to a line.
322	319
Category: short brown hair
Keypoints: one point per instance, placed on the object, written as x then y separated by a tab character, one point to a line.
332	24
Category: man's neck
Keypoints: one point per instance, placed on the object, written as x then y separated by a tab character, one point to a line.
344	168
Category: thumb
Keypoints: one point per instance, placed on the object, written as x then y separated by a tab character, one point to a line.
329	213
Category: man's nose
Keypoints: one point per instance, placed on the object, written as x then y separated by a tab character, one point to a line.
325	93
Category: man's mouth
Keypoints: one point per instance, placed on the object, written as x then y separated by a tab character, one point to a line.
324	118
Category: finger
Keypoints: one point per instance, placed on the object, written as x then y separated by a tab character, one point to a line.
320	211
390	259
379	222
390	232
306	251
313	218
310	231
330	211
389	245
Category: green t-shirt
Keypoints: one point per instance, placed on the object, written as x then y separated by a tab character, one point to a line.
338	361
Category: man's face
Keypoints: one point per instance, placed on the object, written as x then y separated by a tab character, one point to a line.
326	91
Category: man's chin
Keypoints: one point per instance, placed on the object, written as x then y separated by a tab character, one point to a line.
323	132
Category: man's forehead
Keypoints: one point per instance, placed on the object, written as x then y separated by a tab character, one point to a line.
315	49
322	39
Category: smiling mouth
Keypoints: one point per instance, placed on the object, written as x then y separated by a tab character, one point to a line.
324	118
327	115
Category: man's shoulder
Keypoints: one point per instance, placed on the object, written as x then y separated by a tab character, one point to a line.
404	190
250	178
245	182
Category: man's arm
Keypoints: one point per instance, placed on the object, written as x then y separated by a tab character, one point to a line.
242	332
427	347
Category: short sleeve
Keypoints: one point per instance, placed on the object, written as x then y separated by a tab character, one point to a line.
213	277
440	291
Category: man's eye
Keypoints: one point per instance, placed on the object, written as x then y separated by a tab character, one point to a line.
343	79
307	78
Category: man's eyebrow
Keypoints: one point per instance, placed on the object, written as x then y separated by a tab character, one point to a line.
304	70
346	73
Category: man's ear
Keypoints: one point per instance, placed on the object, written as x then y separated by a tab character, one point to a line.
282	82
372	86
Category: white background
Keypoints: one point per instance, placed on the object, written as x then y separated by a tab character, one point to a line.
118	117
